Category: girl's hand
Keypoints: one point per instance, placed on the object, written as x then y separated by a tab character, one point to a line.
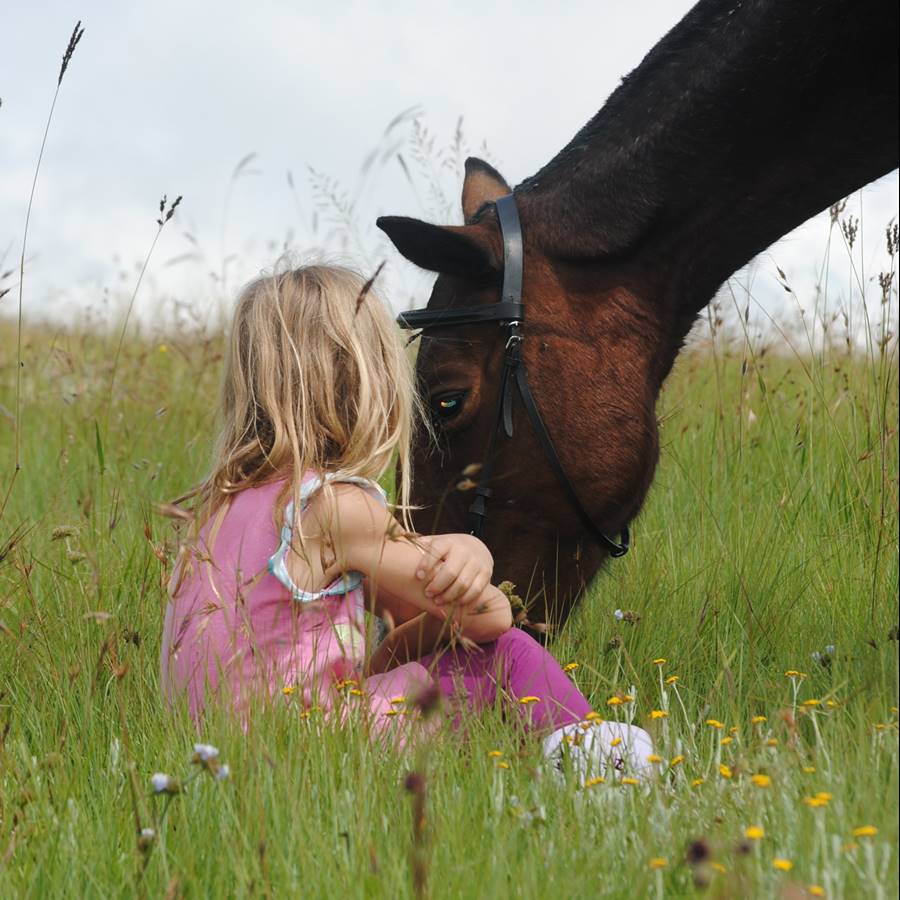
455	569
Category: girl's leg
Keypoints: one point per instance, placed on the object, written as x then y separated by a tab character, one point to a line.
521	668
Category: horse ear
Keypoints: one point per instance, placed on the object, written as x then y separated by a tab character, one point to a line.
463	250
482	184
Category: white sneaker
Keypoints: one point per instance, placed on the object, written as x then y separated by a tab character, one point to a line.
604	749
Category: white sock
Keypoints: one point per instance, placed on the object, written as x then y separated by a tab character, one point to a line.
604	749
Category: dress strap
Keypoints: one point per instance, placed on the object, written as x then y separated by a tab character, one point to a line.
278	561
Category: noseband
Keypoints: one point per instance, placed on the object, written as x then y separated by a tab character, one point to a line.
510	313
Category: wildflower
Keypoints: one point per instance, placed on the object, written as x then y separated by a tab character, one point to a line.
145	840
63	531
495	754
397	700
823	795
783	865
697	782
387	712
831	704
811	702
715	723
772	742
718	867
597	779
615	742
660	661
164	784
816	890
627	698
865	831
163	348
809	770
223	772
758	720
204	753
653	758
725	771
502	765
614	701
829	649
761	781
355	692
815	802
672	679
288	689
593	717
529	699
570	667
659	714
726	740
658	862
755	833
630	781
793	673
676	761
619	615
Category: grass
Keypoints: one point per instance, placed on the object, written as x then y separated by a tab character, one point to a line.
770	533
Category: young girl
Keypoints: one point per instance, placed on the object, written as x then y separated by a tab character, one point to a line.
292	541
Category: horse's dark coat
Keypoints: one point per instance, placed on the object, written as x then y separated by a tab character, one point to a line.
746	119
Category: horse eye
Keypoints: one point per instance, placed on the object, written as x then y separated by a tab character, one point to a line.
445	406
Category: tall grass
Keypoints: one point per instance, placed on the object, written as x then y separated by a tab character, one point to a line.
769	535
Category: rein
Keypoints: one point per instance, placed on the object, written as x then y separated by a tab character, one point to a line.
510	313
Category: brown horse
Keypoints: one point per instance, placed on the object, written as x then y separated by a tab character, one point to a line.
746	119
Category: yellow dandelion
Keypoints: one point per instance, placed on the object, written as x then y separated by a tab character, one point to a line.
772	742
658	714
725	771
815	802
391	712
495	754
809	770
615	701
304	713
783	865
672	679
502	765
676	761
356	692
658	862
793	673
726	740
593	717
660	661
615	742
653	758
824	795
570	667
754	833
718	867
627	698
816	890
865	831
288	689
597	779
812	702
697	782
715	723
163	348
399	699
630	781
831	704
760	780
529	699
758	720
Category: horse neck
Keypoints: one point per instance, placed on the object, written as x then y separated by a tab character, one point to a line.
746	119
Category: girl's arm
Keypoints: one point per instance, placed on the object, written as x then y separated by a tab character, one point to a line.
412	640
356	533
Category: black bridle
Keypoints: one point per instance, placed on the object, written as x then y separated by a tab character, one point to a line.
510	313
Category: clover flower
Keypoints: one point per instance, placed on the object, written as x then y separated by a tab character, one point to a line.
164	784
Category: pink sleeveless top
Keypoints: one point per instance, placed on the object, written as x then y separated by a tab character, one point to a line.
238	629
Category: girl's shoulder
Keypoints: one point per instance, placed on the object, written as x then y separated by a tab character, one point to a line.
312	482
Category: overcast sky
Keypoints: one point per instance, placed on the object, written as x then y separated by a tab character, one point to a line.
168	97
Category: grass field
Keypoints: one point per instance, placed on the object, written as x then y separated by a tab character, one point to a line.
770	534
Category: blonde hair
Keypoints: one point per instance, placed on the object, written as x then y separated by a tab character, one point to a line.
316	378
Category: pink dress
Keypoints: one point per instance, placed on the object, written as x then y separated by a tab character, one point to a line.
238	629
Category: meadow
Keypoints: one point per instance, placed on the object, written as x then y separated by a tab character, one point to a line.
752	630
